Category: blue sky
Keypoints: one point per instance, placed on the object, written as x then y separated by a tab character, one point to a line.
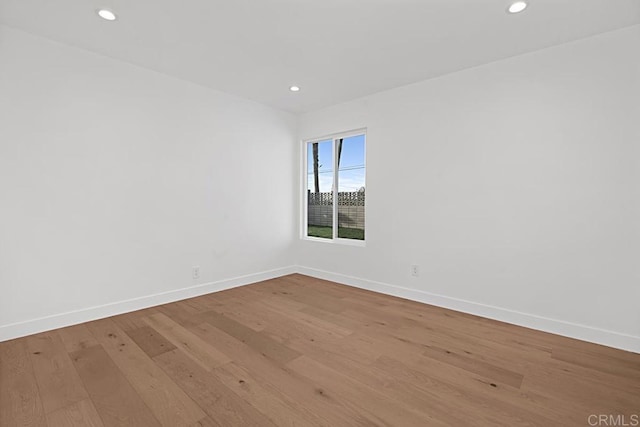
351	173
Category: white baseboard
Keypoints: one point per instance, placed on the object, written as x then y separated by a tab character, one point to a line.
554	326
42	324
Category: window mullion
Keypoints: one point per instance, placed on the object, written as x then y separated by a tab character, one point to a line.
335	189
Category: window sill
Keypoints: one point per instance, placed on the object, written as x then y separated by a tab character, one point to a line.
338	241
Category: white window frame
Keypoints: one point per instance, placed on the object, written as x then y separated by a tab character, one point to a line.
305	181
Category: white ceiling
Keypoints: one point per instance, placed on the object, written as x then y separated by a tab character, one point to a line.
335	50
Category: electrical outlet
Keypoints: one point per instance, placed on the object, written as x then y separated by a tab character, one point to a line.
415	272
195	272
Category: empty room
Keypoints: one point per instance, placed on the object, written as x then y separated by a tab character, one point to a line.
319	213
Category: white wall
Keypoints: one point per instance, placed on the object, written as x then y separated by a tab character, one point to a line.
514	186
116	180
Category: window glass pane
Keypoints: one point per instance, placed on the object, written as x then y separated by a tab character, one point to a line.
351	187
320	189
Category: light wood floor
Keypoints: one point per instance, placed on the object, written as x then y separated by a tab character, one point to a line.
298	351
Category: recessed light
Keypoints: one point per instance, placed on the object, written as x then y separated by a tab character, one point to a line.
107	14
517	7
294	89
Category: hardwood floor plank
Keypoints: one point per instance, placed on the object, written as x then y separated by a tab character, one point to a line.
377	408
485	330
256	340
623	368
20	403
468	395
283	328
76	338
207	422
150	341
133	320
206	390
487	370
322	325
236	309
581	392
435	336
323	409
309	296
58	382
80	414
115	400
279	409
170	405
390	386
281	304
357	348
202	353
178	314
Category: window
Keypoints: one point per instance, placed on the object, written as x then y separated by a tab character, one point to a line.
334	190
